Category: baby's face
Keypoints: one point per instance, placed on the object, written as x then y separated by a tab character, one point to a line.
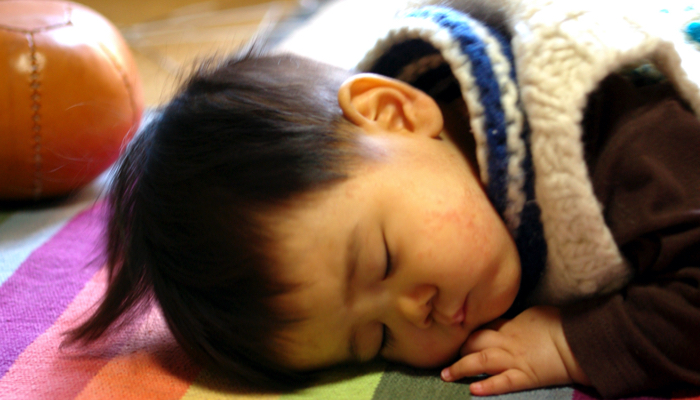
402	260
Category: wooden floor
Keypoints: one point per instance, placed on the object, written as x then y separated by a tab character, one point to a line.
168	37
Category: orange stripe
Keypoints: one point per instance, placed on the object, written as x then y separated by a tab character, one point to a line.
62	372
152	367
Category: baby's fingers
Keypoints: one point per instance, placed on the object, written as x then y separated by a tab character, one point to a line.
489	361
512	380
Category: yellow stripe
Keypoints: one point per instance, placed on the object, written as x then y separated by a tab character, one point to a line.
351	383
210	387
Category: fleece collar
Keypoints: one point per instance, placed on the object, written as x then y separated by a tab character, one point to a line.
448	54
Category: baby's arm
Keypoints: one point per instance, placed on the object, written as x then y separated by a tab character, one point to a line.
527	352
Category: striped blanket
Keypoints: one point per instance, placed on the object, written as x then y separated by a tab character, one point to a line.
51	276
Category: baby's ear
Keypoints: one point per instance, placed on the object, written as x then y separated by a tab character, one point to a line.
377	104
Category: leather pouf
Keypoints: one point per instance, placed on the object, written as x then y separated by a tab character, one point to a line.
70	97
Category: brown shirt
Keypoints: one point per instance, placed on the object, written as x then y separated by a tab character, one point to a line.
643	154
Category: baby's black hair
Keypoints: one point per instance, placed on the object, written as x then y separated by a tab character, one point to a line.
189	205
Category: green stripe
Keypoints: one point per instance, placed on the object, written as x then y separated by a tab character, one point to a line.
406	383
343	383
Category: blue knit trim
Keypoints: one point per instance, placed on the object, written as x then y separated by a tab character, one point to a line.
490	97
406	51
529	238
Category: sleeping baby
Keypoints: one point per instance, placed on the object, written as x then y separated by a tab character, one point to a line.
496	192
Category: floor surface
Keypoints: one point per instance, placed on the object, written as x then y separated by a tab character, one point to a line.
168	38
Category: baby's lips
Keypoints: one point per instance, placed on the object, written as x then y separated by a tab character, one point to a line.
458	318
461	314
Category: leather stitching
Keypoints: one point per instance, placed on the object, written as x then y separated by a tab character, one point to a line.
35	85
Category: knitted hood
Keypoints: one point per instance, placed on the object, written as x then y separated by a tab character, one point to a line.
525	100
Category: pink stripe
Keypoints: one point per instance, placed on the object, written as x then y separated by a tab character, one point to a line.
41	371
151	366
47	281
45	371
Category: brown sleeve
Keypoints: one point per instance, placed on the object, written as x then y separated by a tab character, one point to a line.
643	151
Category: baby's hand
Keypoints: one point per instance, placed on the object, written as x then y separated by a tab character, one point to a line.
527	352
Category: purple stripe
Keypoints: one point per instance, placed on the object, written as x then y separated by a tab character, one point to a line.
47	281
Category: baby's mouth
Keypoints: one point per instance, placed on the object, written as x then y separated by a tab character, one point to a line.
458	318
461	315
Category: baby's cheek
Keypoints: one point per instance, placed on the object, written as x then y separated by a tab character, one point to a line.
427	351
445	225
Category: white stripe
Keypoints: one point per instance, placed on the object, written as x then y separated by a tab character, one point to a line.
461	67
25	231
410	72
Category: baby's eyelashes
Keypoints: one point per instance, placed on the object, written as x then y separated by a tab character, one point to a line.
387	339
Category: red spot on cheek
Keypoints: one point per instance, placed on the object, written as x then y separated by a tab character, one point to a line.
457	226
442	226
456	222
440	219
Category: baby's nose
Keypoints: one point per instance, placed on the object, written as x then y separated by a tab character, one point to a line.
417	305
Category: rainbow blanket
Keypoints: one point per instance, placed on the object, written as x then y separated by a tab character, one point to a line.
50	277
